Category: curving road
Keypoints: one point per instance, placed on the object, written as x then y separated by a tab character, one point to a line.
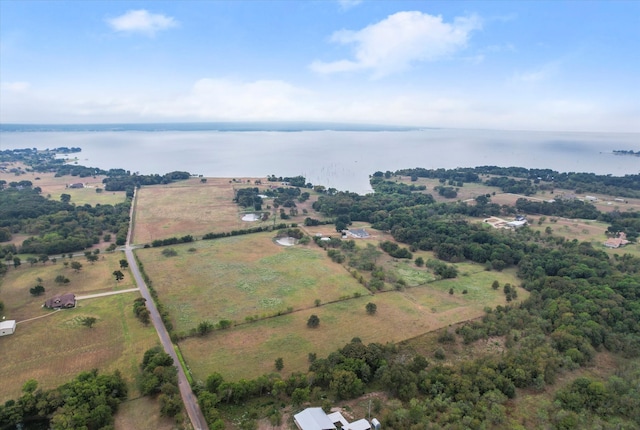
189	399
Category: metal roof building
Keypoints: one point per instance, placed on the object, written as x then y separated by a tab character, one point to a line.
7	327
313	419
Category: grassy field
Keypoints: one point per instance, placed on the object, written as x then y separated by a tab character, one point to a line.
53	187
142	413
236	354
56	347
243	276
92	278
468	191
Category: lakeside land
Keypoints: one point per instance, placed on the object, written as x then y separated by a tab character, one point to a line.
237	302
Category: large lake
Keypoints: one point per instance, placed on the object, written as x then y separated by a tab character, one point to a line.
339	159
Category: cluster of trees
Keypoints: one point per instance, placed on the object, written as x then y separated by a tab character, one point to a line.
295	181
121	180
87	402
249	197
394	250
627	222
510	185
172	241
57	227
382	186
140	310
455	175
569	208
447	192
160	378
211	236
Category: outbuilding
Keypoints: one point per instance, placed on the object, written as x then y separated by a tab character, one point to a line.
7	327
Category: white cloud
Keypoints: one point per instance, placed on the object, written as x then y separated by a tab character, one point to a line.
542	73
392	44
141	21
229	99
16	87
219	99
348	4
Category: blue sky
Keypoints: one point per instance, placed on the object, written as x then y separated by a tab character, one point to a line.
534	65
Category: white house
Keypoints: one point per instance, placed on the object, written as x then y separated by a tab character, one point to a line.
7	327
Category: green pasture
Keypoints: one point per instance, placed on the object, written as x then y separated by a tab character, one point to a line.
249	350
243	276
82	196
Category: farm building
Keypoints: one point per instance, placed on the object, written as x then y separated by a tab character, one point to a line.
359	233
76	185
65	301
617	242
7	327
317	419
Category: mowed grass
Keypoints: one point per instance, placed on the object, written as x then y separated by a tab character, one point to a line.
250	350
243	276
55	346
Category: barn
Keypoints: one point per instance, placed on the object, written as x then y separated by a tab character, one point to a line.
7	327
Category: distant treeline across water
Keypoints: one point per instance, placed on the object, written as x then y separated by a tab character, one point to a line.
205	126
326	154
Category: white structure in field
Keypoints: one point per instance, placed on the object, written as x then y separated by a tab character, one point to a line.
316	419
7	327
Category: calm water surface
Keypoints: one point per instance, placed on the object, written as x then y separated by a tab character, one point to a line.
339	159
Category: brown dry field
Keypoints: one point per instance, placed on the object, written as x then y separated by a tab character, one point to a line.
54	187
192	207
117	341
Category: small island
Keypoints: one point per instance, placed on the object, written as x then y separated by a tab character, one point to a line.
626	152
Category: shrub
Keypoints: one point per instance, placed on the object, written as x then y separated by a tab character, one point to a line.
313	321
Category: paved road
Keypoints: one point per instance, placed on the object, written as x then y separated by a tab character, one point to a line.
189	399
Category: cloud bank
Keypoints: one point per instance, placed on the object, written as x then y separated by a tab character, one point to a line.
141	21
393	44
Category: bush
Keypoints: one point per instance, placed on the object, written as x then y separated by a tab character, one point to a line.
169	252
313	321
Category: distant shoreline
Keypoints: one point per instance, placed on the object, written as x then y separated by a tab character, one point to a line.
293	126
626	152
